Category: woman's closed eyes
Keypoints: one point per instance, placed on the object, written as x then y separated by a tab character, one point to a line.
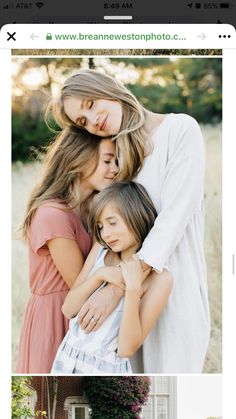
101	117
83	121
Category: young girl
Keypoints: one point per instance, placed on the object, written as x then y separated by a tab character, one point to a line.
76	166
120	218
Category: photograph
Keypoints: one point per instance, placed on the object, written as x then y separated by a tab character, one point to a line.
123	397
116	222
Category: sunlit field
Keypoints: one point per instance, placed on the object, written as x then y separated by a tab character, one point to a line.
25	176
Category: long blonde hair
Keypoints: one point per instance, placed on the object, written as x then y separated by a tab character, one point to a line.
73	155
132	142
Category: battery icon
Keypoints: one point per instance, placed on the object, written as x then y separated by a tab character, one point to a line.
224	5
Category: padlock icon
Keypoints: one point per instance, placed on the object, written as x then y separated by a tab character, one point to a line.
49	37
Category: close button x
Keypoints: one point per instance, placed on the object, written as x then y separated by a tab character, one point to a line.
11	36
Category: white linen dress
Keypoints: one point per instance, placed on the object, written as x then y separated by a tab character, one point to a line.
173	175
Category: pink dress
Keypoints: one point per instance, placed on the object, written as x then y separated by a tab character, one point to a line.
44	325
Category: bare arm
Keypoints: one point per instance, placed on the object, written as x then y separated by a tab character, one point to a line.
103	302
86	284
83	286
99	305
140	314
67	258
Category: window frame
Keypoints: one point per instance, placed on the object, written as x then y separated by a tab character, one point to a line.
80	405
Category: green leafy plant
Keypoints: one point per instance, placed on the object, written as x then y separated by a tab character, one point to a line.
21	391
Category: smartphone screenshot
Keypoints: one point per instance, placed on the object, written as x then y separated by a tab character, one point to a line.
123	133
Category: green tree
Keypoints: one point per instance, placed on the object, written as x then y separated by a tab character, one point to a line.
21	391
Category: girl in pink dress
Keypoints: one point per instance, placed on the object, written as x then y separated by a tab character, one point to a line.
76	165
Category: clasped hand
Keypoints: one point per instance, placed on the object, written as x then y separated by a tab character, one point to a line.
133	274
102	302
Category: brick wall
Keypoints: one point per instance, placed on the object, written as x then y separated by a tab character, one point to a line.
67	387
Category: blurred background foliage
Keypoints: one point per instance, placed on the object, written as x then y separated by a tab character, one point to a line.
177	84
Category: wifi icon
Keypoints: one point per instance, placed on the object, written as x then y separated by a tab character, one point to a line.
39	5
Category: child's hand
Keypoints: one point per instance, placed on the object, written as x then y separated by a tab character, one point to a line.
132	273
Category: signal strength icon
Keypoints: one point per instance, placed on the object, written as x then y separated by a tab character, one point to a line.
8	6
39	4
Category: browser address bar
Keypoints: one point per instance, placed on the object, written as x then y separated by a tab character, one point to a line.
117	36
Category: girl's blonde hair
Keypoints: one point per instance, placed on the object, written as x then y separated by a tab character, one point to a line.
133	204
73	155
133	142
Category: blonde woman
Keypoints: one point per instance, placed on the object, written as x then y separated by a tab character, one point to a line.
165	153
76	165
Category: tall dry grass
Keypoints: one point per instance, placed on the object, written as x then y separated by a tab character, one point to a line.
25	176
213	242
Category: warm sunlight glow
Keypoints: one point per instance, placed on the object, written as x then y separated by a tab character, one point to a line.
33	77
